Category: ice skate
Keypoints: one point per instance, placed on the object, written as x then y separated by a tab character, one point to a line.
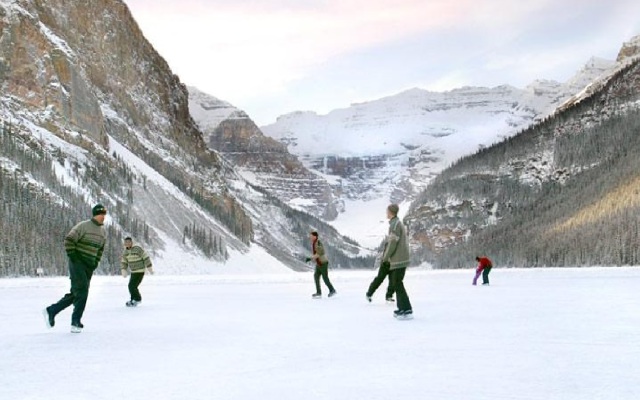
403	315
49	318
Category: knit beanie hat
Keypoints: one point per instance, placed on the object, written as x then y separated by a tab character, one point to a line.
394	209
98	209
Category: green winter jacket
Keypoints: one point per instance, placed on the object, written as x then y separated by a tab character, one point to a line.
85	243
396	250
135	259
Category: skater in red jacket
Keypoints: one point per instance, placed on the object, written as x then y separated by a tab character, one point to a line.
484	267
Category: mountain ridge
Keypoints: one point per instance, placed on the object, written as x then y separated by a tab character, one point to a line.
391	148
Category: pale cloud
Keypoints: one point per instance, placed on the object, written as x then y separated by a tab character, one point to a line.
258	47
249	52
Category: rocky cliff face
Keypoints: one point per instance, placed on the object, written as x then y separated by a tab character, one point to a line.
260	159
84	91
83	75
75	58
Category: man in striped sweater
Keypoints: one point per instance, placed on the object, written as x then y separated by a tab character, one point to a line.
84	245
137	260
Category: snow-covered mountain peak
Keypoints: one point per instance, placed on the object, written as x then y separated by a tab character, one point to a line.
209	111
598	63
387	126
593	69
597	72
294	115
630	49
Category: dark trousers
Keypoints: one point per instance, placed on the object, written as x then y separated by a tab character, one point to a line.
80	275
383	272
322	270
485	275
402	298
134	282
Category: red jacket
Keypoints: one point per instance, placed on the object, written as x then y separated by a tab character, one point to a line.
483	263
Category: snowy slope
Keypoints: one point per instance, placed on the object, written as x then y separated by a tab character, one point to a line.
533	335
178	210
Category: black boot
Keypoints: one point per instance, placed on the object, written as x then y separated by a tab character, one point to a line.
49	317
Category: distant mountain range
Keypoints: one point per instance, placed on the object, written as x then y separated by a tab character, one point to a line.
388	150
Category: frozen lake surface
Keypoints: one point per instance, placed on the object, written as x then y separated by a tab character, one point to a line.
533	334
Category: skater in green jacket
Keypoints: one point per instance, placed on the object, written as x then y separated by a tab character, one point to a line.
84	245
134	258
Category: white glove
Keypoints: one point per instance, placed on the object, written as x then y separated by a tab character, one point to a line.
124	273
150	269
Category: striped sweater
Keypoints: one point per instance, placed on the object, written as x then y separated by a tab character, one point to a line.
85	242
136	259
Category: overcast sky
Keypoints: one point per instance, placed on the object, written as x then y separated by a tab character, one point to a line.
271	57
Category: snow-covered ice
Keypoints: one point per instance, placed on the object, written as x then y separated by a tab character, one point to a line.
534	334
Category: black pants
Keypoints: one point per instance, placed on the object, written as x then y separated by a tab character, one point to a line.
383	272
485	275
322	270
402	298
134	282
80	275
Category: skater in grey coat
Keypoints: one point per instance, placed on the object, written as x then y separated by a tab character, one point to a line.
397	258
